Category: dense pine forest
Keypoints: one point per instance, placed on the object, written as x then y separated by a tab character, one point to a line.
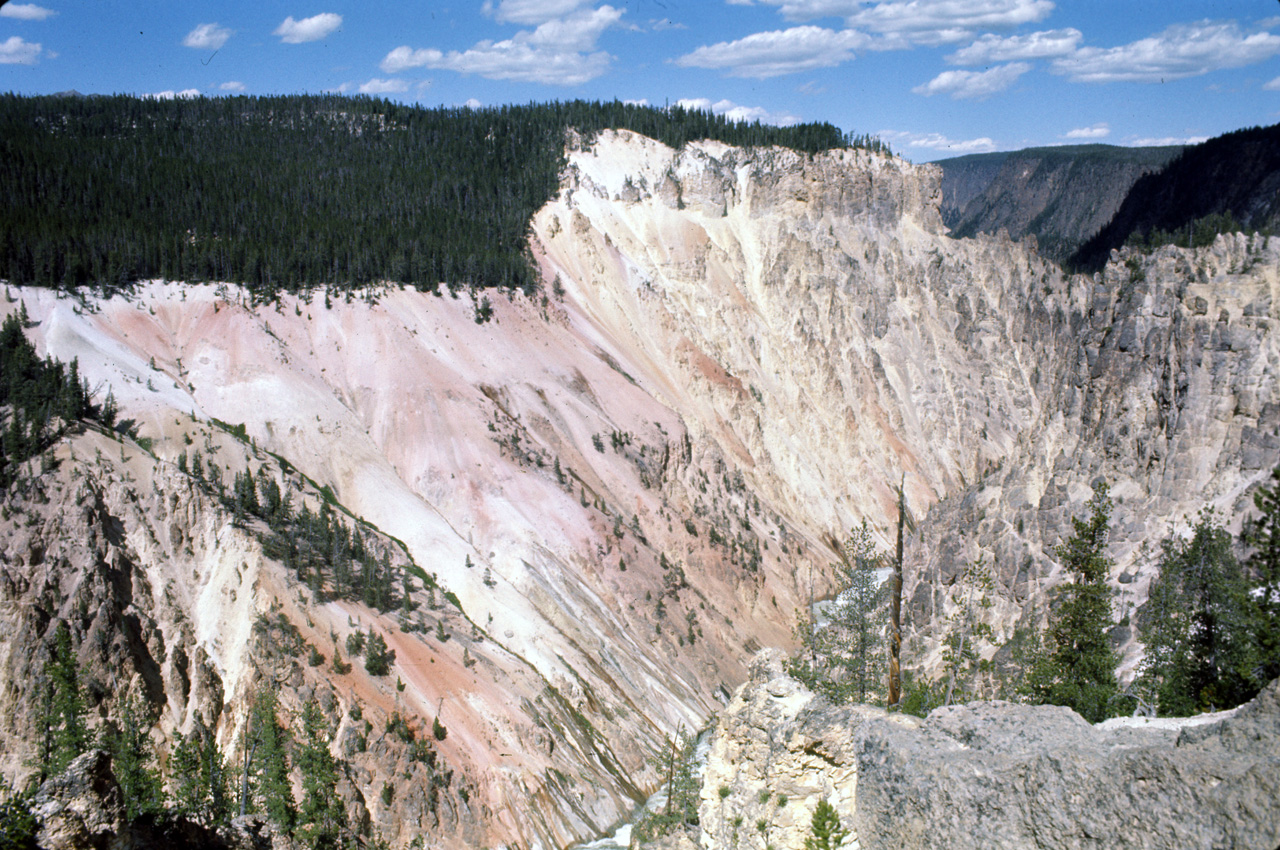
285	193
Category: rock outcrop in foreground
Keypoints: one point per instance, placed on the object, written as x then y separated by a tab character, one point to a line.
987	774
83	807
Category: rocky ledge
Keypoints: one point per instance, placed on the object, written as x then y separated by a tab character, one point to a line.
83	808
987	774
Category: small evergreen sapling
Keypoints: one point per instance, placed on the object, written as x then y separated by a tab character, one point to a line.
825	830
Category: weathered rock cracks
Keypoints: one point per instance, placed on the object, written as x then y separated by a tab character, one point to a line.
987	774
82	808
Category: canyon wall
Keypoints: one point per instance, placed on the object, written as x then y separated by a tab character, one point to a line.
627	482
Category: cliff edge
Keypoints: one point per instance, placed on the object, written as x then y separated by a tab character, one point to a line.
987	774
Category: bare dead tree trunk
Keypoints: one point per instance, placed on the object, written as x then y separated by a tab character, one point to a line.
671	770
244	778
895	606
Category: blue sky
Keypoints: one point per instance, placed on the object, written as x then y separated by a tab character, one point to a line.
934	78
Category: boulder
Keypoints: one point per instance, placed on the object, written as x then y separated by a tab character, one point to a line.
989	774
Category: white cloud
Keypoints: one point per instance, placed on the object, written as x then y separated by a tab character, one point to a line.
25	11
643	101
377	86
404	57
920	21
736	112
207	37
662	24
942	21
15	51
979	85
937	142
533	11
1167	140
560	51
1182	50
232	85
170	94
1097	131
1274	85
1037	45
770	54
472	103
577	32
313	28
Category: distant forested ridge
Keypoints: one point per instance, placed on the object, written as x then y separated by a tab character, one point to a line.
1227	184
1061	195
287	193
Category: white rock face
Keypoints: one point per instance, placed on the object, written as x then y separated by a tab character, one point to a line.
752	349
985	775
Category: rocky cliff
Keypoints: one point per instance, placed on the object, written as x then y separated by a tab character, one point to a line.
986	775
624	482
1062	196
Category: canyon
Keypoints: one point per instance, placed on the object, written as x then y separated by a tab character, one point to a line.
624	485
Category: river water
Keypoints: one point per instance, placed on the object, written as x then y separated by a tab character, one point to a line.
621	837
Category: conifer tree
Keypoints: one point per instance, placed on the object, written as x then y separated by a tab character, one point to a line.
133	758
66	723
960	653
321	817
1201	654
1078	667
1261	537
825	830
377	658
199	778
845	660
18	825
268	763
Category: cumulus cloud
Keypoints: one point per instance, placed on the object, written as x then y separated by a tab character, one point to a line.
25	11
532	11
207	37
1274	85
16	51
560	51
170	94
377	86
1037	45
973	85
1182	50
661	24
920	21
737	112
404	57
232	85
1165	141
1097	131
938	142
943	21
771	54
472	103
313	28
